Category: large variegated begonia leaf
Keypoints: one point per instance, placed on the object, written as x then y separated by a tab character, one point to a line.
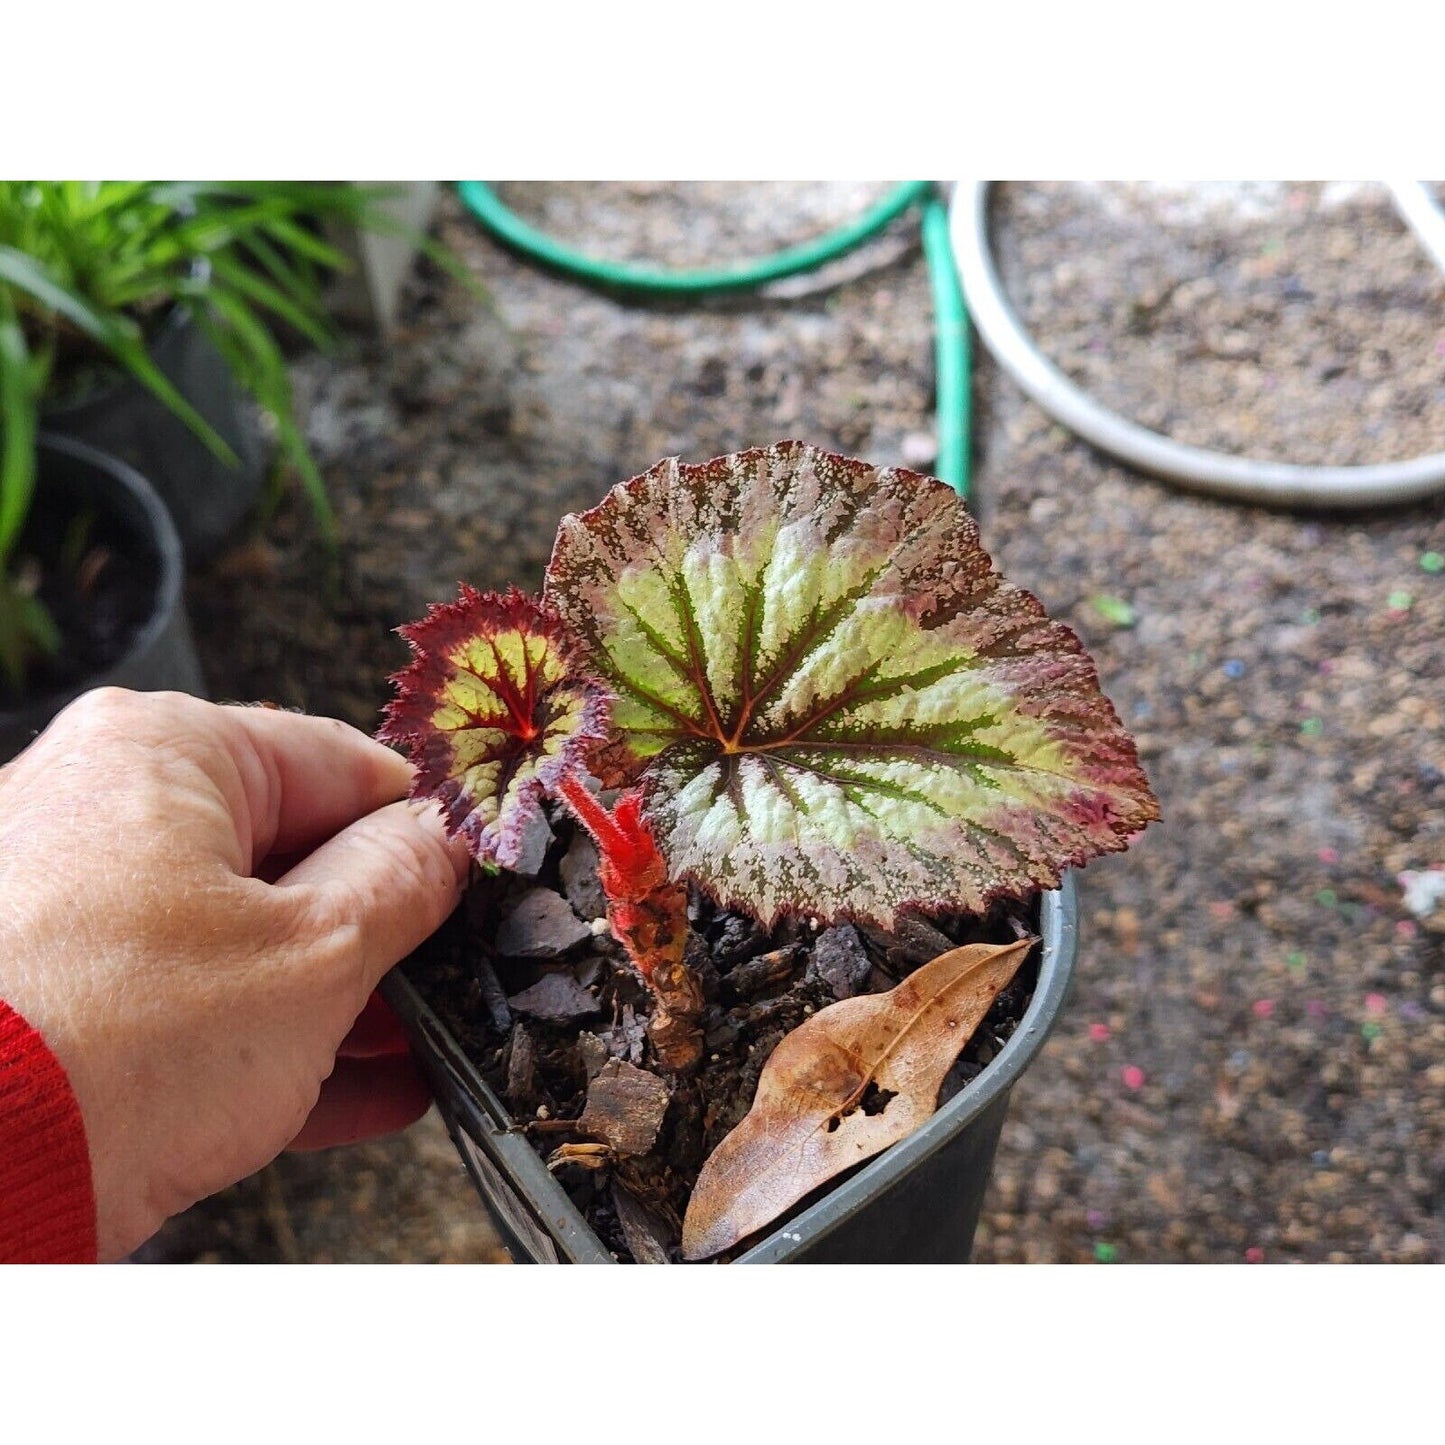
837	705
492	712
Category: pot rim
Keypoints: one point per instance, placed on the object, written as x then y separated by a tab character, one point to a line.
542	1207
169	560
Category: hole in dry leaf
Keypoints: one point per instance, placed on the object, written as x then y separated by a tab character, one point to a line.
874	1101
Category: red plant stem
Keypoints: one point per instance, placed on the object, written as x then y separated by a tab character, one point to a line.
648	915
592	815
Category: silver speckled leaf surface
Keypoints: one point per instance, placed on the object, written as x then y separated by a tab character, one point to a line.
836	703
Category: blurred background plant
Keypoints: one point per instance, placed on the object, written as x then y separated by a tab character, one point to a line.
89	270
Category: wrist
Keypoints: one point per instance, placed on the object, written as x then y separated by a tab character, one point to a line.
47	1198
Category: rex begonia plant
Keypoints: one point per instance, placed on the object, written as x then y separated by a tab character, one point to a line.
821	698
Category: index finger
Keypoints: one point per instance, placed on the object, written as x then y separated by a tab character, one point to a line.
306	778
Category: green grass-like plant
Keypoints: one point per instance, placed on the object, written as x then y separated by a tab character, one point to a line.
89	268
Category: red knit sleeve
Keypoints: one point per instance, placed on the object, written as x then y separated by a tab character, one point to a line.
47	1201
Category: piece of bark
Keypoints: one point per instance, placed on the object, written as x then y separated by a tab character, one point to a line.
580	883
626	1038
521	1071
840	960
914	941
556	997
698	960
592	1050
721	1032
765	974
540	925
580	1156
740	939
625	1107
493	994
645	1234
879	980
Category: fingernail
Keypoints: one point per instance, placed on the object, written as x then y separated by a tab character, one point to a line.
428	811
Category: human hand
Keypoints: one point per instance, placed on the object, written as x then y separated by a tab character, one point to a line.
197	904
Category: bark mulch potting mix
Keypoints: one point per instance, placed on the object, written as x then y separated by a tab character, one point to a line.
1250	1067
552	1014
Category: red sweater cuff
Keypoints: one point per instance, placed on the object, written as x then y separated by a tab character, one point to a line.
47	1199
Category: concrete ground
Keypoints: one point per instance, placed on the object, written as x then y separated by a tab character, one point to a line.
1253	1062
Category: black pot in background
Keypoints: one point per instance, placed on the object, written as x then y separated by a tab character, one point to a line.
207	499
918	1202
160	657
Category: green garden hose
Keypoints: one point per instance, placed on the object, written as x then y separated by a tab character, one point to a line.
951	329
951	350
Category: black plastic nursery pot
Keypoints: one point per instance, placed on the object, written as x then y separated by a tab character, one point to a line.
206	497
918	1202
76	480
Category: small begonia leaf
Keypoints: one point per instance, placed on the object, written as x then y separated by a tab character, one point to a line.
492	712
836	704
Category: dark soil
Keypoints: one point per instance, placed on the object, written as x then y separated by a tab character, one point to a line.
539	1051
97	584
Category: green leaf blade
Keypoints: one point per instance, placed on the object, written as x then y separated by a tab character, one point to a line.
19	405
838	706
492	712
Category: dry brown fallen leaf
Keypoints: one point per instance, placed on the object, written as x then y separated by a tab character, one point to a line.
817	1109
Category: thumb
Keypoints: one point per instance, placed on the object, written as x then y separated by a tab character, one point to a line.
389	881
